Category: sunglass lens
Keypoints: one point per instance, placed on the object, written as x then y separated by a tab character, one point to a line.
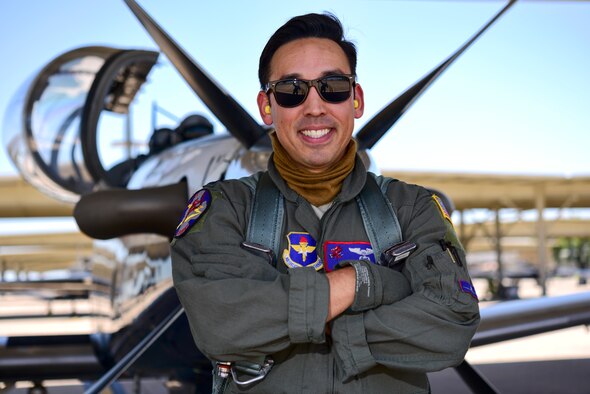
335	89
290	93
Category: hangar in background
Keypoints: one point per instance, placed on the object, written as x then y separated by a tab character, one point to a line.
531	239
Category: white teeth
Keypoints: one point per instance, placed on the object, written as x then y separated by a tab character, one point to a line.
315	133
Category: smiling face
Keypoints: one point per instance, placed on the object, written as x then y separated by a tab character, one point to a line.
315	133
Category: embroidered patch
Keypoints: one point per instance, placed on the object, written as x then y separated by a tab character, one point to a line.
335	252
302	251
468	288
197	205
441	207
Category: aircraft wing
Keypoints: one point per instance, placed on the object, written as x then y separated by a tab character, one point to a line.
519	318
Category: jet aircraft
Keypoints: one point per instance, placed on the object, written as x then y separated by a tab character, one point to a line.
132	207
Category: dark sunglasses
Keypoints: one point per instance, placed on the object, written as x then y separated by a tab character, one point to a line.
293	91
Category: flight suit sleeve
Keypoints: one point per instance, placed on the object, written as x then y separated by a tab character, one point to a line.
428	330
238	305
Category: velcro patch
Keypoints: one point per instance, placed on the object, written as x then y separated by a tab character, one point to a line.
335	252
468	288
197	205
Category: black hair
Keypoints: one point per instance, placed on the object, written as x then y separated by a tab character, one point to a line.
305	26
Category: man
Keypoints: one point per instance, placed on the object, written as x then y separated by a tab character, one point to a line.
328	315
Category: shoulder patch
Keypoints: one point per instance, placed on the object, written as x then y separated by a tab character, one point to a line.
451	234
441	207
197	205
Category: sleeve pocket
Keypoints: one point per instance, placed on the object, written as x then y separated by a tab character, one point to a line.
438	278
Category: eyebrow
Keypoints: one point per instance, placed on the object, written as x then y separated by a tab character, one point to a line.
322	75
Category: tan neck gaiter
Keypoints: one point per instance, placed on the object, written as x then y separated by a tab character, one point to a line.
318	189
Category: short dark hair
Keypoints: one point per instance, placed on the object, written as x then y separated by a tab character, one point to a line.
305	26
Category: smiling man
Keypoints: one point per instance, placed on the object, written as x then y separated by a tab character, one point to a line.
316	132
318	276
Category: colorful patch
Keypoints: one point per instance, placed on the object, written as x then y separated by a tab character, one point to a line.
197	205
335	252
450	234
468	288
441	207
302	251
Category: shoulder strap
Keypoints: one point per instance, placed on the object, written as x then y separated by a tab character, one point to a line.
266	216
378	216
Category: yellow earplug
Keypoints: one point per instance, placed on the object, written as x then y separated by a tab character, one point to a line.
356	104
267	110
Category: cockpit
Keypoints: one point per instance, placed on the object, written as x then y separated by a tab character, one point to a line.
51	125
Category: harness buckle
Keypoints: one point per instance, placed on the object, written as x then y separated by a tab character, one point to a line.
258	371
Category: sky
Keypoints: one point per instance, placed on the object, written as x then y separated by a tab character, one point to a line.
516	102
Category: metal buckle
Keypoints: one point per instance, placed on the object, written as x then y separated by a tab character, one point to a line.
258	371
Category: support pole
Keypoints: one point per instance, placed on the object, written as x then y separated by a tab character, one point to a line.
462	236
498	245
541	237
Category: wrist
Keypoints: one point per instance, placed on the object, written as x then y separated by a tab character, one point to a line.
342	284
368	287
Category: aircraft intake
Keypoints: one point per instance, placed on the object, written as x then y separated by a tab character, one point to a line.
113	213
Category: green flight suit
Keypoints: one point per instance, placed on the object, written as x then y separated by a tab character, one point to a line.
242	308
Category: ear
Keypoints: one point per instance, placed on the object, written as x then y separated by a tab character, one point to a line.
264	102
359	96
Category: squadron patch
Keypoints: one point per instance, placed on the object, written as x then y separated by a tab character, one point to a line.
451	234
335	252
302	251
197	205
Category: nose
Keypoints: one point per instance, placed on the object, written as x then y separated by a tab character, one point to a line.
314	105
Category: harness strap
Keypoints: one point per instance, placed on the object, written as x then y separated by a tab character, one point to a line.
378	216
266	216
268	210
